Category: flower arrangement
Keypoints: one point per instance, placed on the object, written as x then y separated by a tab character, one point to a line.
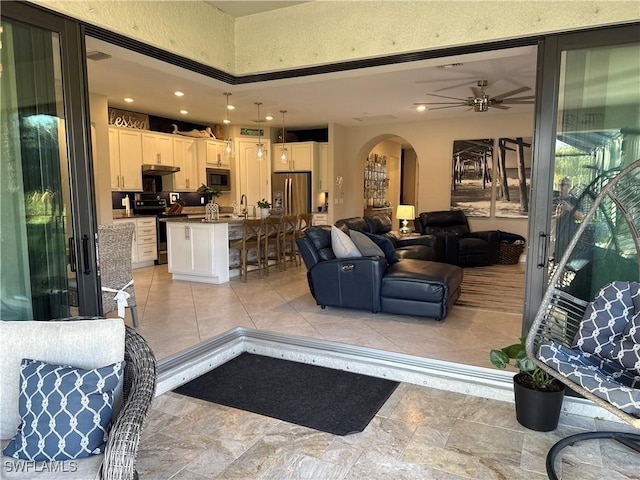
264	203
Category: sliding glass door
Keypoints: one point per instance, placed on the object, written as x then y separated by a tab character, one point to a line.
588	128
47	263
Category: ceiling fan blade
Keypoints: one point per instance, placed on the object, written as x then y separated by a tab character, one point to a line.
501	107
511	93
445	103
450	106
530	99
477	92
444	96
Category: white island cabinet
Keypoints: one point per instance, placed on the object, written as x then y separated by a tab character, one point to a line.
198	252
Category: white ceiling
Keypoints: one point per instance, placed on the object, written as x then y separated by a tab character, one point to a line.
243	8
379	95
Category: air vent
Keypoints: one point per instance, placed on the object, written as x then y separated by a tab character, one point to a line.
96	55
375	118
450	65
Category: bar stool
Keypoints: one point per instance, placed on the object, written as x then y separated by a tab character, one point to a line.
252	237
272	236
289	234
305	220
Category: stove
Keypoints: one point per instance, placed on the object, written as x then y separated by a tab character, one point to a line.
153	205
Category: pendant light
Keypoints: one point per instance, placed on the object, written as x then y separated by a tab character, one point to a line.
283	154
227	140
260	147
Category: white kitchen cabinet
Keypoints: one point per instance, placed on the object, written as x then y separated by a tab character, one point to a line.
300	155
321	168
254	176
184	155
157	148
198	252
320	219
143	247
213	153
125	158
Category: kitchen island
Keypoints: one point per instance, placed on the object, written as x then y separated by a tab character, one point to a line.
198	251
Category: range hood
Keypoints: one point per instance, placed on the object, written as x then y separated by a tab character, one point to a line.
152	169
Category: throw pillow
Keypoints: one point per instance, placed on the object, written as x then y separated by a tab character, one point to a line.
386	246
605	319
342	245
627	350
367	247
65	411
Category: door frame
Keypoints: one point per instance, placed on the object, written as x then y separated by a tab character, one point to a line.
547	84
78	139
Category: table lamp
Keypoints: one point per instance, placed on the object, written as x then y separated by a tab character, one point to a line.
404	213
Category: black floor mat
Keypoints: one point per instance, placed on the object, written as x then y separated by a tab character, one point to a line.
325	399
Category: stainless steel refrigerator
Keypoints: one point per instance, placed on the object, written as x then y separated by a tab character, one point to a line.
291	192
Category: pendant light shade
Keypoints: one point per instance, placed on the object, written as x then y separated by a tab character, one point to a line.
260	152
283	154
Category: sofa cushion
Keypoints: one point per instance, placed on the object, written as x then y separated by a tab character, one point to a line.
353	223
367	247
378	224
82	469
343	246
65	411
386	246
471	246
320	237
606	317
83	343
627	350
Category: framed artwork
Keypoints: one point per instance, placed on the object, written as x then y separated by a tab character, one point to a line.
513	177
472	172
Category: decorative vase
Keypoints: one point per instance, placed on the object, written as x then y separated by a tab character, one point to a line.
264	212
212	212
537	410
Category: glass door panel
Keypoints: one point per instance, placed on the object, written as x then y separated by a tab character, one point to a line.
598	134
37	253
587	129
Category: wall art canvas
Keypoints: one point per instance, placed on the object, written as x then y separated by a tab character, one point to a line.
472	173
513	177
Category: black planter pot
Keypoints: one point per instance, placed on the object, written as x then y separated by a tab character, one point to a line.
537	410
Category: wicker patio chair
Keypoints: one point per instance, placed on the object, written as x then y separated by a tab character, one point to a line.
138	391
556	341
116	274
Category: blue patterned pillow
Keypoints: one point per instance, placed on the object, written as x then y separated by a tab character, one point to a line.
605	319
386	246
65	411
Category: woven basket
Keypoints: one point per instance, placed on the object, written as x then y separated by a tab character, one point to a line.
510	253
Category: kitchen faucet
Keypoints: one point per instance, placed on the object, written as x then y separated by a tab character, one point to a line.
243	202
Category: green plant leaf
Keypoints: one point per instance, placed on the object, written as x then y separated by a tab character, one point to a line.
525	364
513	351
499	358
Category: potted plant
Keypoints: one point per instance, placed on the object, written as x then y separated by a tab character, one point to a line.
264	207
538	395
210	193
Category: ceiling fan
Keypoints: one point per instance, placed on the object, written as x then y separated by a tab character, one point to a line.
481	101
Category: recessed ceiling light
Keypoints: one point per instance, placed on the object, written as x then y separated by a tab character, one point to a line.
421	108
178	94
128	100
268	118
184	112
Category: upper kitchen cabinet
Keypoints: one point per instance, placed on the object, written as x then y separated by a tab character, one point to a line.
300	156
212	153
157	148
321	169
184	156
125	157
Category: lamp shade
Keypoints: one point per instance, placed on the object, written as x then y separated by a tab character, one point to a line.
405	212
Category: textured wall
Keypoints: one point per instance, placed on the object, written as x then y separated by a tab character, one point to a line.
192	29
322	32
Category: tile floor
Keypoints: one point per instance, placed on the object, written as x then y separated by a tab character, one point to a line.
420	433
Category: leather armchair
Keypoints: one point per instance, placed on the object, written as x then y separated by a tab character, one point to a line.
425	247
462	246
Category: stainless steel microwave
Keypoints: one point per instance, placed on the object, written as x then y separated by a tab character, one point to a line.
219	178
